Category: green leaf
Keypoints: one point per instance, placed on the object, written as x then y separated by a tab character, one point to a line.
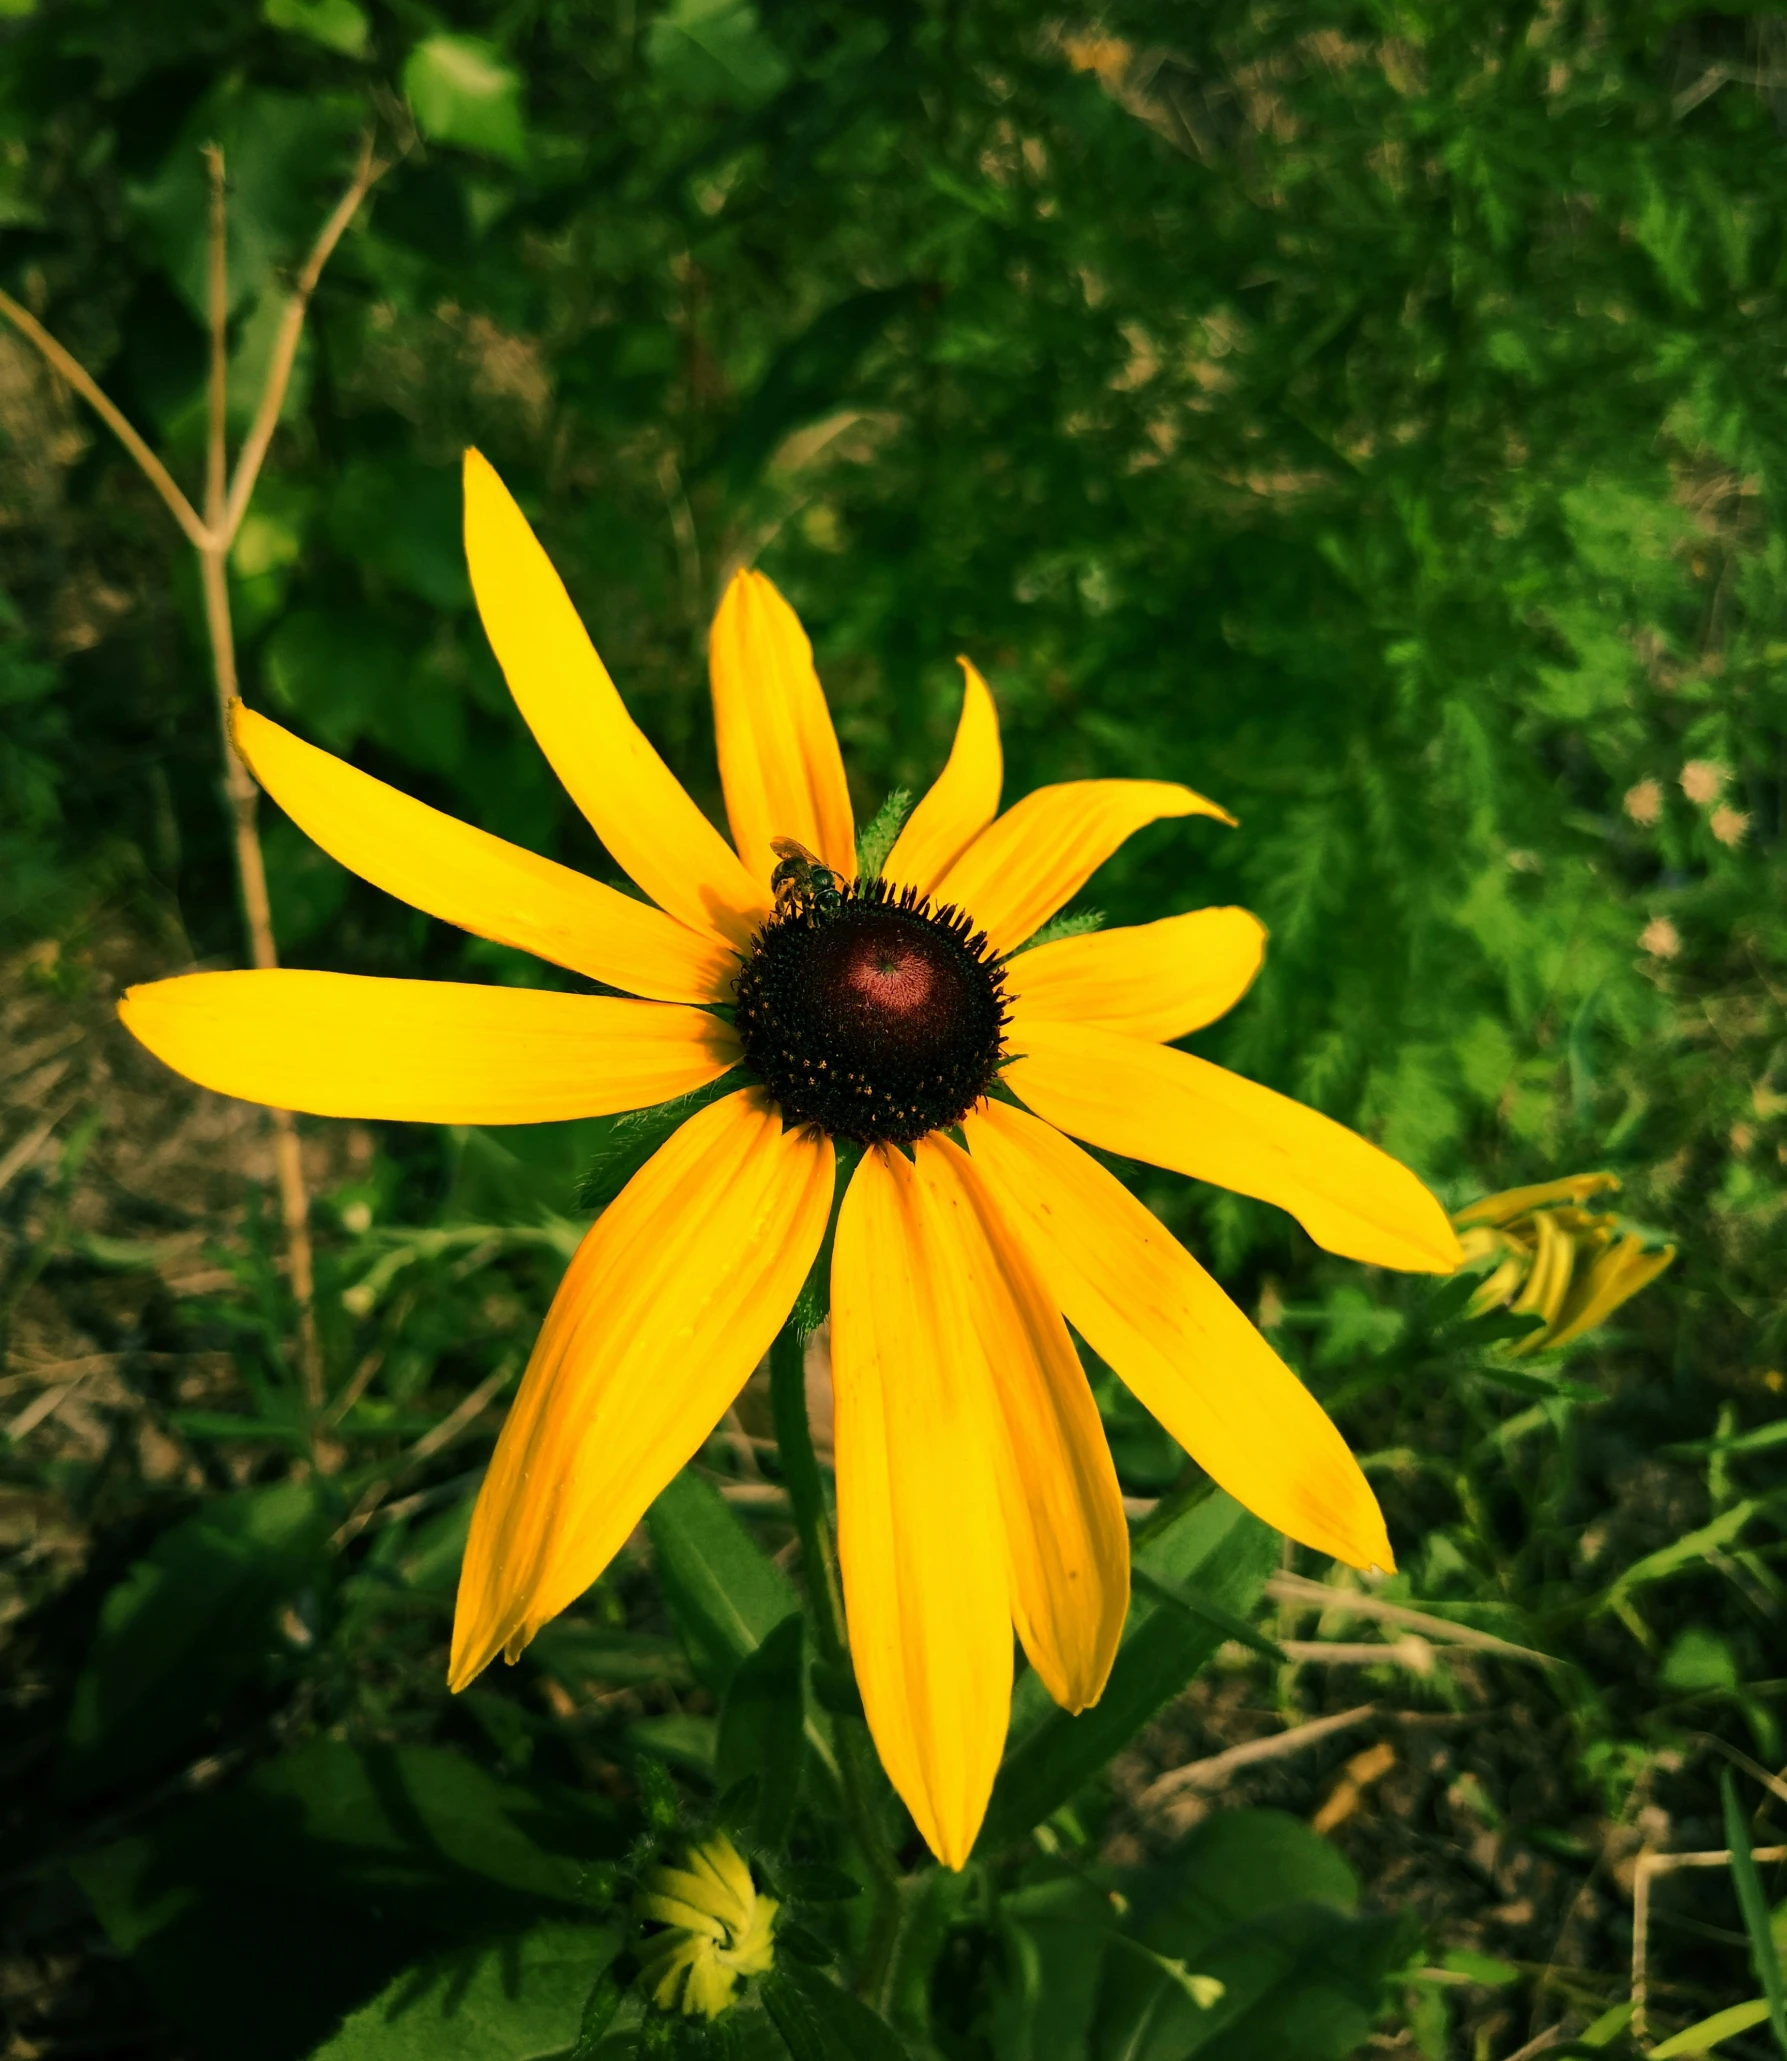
813	1882
1225	1621
881	833
762	1728
1215	1545
715	50
1608	2027
1693	1549
189	1627
1044	1991
724	1593
836	1689
1256	1902
819	2021
806	1947
1711	2032
579	1653
1057	927
336	24
1699	1659
291	1896
625	1143
282	151
815	375
598	2014
1764	1957
1299	1979
463	92
516	1999
686	1739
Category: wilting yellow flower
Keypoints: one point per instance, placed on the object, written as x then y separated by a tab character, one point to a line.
719	1930
1554	1259
974	1486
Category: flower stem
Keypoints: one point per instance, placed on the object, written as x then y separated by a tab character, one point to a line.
800	1471
806	1492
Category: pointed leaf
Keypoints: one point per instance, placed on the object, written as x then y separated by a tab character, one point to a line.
761	1729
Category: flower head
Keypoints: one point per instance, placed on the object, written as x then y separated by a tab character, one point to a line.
1644	802
716	1929
1730	826
1702	780
906	1011
1551	1258
1660	938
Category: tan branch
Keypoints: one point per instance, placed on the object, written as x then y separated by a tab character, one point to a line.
367	173
251	869
1213	1772
69	369
1299	1589
217	311
1650	1865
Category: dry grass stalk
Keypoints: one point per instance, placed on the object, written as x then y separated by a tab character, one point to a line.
211	535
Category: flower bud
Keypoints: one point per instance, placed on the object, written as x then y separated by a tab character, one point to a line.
717	1929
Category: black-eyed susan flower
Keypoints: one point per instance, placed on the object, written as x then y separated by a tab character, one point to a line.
974	1487
716	1929
1551	1258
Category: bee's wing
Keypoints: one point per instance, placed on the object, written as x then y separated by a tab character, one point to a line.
792	848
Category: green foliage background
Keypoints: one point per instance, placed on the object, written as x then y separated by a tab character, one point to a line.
1371	414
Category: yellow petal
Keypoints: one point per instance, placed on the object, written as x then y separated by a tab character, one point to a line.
424	1051
670	1909
1554	1260
779	758
1044	849
1145	1306
1157	981
920	1539
671	1300
1615	1277
1153	1103
467	877
963	799
1066	1540
1515	1202
657	836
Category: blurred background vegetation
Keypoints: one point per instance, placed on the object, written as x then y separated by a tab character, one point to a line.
1371	414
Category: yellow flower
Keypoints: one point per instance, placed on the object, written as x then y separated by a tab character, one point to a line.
1554	1259
974	1486
719	1929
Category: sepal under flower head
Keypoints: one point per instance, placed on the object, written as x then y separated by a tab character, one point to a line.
1551	1258
718	1929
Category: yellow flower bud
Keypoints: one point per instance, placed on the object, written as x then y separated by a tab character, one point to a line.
1552	1258
717	1929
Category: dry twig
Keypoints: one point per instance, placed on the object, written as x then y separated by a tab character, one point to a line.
1650	1865
211	535
1297	1588
1213	1772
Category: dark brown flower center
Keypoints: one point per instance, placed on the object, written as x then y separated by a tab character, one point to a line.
871	1014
